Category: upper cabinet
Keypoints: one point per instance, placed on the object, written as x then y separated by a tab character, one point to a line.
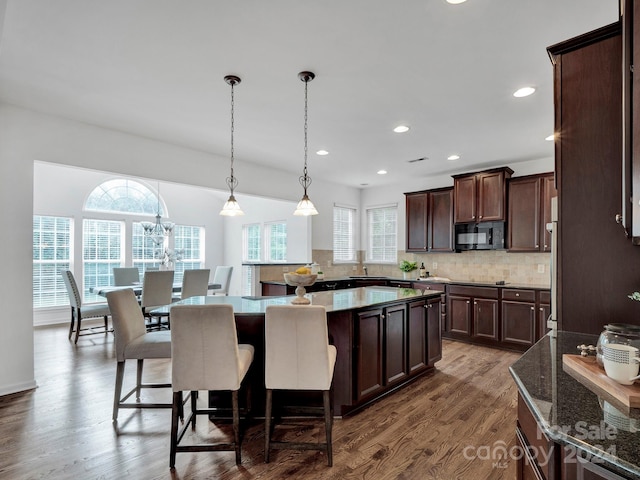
529	212
430	220
481	196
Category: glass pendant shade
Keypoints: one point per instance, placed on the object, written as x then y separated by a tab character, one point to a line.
231	208
305	207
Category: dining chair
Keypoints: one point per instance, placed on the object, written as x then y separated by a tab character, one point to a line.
222	276
298	357
81	312
195	283
157	291
125	276
205	355
132	341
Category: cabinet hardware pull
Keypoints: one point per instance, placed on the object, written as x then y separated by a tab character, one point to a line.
517	294
538	246
532	308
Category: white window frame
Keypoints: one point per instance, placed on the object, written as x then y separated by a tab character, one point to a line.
271	233
49	289
247	238
105	278
194	256
390	256
344	234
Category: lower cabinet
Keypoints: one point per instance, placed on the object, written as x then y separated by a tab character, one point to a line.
472	313
394	343
519	317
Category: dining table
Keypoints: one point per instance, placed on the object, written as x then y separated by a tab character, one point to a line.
137	288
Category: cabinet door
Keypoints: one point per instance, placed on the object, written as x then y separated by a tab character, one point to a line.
491	196
395	329
548	192
518	322
440	221
465	199
544	310
434	331
524	215
417	336
459	315
485	319
369	353
416	206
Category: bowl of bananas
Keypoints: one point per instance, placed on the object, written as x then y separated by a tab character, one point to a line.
301	278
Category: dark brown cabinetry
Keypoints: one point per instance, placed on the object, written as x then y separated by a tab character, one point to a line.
588	147
369	345
519	317
481	196
472	313
429	217
395	343
529	212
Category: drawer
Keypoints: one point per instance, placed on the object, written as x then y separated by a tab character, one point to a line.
429	286
483	292
545	297
536	438
519	295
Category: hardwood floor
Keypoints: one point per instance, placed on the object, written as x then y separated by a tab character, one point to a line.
447	425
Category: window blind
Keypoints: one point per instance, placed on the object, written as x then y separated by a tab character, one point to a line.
276	237
51	256
101	251
382	234
344	234
251	243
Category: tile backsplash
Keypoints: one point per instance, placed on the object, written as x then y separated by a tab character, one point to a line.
479	266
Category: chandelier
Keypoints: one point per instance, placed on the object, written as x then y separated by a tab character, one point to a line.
231	208
305	205
159	230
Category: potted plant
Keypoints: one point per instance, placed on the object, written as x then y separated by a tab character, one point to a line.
407	267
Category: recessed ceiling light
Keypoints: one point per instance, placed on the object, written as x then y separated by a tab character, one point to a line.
455	2
382	172
401	129
453	157
551	137
524	92
322	152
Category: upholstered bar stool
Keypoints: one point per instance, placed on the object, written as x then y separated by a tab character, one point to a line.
298	357
132	341
157	291
80	312
205	356
195	283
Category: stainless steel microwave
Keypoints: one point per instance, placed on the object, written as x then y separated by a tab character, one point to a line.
480	236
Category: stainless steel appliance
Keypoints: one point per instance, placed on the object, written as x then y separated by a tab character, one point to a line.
479	236
552	227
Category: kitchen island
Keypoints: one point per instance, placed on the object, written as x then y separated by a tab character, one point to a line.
386	337
565	429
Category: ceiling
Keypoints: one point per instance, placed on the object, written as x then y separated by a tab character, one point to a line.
155	68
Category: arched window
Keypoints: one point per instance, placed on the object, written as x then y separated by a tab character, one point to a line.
123	196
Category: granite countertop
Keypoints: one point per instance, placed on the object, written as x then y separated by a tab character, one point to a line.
333	300
426	280
600	429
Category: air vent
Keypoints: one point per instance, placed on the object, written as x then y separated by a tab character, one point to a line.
417	159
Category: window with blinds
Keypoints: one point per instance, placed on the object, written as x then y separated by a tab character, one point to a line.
276	241
344	234
101	251
51	256
189	241
251	241
382	234
145	254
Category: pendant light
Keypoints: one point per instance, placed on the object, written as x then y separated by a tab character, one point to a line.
231	207
158	230
305	205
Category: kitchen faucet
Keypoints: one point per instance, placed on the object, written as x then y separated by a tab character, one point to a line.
364	267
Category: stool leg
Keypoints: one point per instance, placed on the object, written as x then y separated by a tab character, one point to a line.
328	424
139	379
267	424
236	425
73	321
118	391
175	414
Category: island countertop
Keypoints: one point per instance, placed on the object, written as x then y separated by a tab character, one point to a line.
333	300
592	425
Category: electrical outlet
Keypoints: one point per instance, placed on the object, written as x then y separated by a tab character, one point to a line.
541	268
285	269
435	265
354	268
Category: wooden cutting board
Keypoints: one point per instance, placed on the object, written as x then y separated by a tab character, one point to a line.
590	374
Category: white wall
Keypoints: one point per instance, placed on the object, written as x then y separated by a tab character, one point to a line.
29	136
